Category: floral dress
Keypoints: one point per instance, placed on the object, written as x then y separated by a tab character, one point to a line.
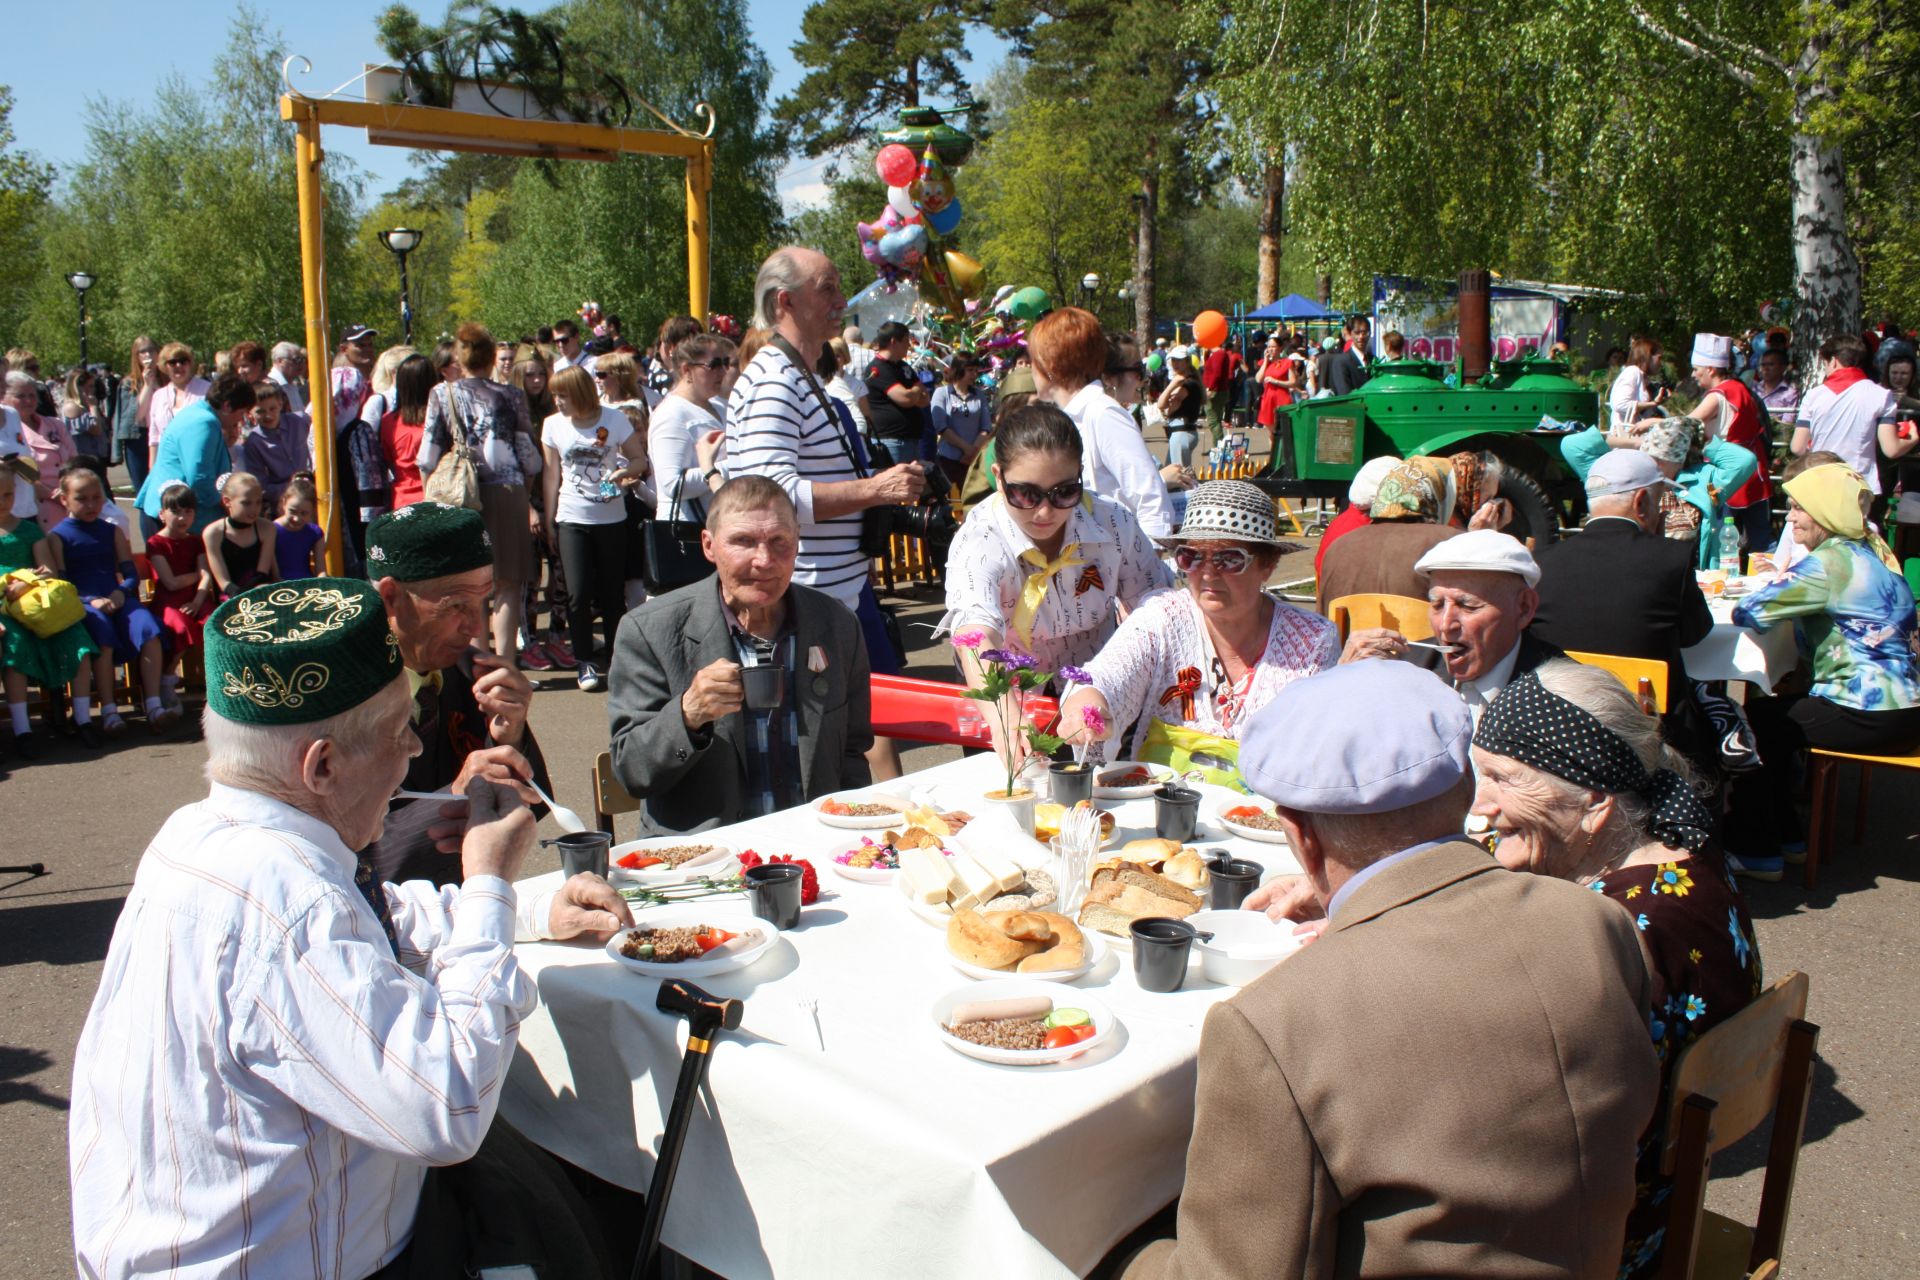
1706	967
1856	615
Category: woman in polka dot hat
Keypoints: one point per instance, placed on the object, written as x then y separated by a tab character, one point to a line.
1187	668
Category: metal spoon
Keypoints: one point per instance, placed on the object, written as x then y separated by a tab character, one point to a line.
1436	647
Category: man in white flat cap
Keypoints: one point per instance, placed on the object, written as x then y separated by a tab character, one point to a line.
1729	410
1452	1079
1480	598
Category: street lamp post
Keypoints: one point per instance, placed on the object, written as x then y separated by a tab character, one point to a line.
81	282
400	242
1089	288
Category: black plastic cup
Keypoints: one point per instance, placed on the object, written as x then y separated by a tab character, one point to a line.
1072	782
1161	946
584	851
1232	880
1176	812
763	686
774	891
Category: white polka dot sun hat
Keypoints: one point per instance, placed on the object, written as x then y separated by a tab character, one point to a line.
1232	510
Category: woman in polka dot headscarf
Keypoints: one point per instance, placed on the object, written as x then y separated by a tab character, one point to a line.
1187	668
1577	784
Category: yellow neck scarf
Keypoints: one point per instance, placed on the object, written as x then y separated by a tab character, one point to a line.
1035	589
417	682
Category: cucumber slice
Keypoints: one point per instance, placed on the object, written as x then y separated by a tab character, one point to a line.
1068	1018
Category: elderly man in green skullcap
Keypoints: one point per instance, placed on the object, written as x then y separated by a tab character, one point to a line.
281	1047
433	567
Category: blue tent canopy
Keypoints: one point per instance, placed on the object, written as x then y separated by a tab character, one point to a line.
1292	307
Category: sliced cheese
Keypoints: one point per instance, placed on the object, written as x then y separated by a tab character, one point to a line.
977	884
1006	873
928	877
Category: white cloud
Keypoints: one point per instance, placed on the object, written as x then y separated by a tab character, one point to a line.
804	195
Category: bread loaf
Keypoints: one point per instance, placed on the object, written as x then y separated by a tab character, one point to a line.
1142	877
973	939
1186	869
1069	949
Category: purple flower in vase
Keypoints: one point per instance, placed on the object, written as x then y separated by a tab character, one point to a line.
996	655
1075	675
1017	661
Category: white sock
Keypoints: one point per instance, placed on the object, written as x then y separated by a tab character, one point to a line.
21	725
82	709
154	708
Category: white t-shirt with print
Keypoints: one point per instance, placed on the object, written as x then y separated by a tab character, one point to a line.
586	459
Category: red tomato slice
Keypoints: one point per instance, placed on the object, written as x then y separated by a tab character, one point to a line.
713	938
638	862
1243	811
1081	1033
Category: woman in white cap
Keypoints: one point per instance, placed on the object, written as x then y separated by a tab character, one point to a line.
1360	495
1188	668
1181	404
1730	411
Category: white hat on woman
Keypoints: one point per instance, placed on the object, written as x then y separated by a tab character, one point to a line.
1366	482
1230	510
1712	351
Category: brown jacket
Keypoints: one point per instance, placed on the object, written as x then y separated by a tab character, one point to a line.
1450	1082
1379	557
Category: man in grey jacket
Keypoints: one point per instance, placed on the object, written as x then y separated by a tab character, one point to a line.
697	735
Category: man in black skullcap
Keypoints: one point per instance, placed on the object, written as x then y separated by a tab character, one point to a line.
433	567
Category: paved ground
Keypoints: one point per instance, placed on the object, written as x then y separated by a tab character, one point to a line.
88	817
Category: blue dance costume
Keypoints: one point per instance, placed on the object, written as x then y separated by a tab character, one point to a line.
92	569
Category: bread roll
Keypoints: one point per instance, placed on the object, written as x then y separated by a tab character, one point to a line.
1069	949
1152	850
973	939
1187	869
1023	926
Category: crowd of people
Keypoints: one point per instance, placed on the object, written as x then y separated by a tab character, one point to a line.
489	484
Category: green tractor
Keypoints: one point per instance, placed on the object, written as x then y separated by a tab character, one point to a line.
1406	408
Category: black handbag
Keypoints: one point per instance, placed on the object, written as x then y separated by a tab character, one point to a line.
672	555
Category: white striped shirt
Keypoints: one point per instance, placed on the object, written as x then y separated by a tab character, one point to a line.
777	427
260	1087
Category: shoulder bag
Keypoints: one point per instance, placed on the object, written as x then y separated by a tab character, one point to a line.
670	551
47	607
456	481
875	522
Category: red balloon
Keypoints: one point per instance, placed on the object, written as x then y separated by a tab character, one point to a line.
1210	329
896	165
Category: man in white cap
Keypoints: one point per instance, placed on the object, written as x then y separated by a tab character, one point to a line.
1480	597
1452	1079
1730	410
1622	588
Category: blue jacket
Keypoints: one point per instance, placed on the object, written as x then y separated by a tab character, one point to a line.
192	452
1724	467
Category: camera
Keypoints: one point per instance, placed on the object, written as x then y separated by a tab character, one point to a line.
930	520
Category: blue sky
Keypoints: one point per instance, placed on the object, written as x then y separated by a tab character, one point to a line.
124	50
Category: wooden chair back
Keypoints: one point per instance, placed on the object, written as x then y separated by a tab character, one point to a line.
1404	614
1631	671
1758	1061
609	797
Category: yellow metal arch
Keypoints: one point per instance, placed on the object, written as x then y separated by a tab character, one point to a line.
462	131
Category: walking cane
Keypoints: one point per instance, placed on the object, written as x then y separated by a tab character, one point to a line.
706	1016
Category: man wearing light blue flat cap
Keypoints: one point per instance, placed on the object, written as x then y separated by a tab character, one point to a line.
1451	1079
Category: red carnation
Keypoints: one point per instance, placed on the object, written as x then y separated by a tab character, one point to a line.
809	878
750	859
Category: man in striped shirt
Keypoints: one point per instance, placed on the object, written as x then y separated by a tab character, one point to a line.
780	425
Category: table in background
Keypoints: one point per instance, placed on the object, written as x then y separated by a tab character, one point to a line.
1733	652
889	1153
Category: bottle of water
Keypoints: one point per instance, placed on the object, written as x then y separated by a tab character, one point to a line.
1729	547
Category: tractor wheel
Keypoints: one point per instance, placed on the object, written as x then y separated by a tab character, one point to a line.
1533	514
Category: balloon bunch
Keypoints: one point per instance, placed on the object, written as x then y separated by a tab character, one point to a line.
921	205
592	317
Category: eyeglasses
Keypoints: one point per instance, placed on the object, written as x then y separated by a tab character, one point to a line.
717	363
601	373
1226	560
1028	496
181	360
1136	367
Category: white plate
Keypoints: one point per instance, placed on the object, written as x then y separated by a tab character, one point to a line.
740	953
877	822
1104	1023
709	863
1244	832
1096	951
863	875
938	916
1161	774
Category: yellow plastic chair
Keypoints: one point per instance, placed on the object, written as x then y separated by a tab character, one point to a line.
1824	780
609	797
1404	614
1631	671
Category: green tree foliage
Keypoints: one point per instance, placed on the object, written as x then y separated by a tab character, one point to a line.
186	214
616	233
865	60
25	190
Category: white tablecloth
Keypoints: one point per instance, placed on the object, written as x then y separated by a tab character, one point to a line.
1739	653
889	1154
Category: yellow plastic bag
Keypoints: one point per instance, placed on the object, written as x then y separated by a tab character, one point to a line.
47	607
1213	758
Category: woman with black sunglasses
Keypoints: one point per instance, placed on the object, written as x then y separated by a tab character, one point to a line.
1187	669
1041	565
